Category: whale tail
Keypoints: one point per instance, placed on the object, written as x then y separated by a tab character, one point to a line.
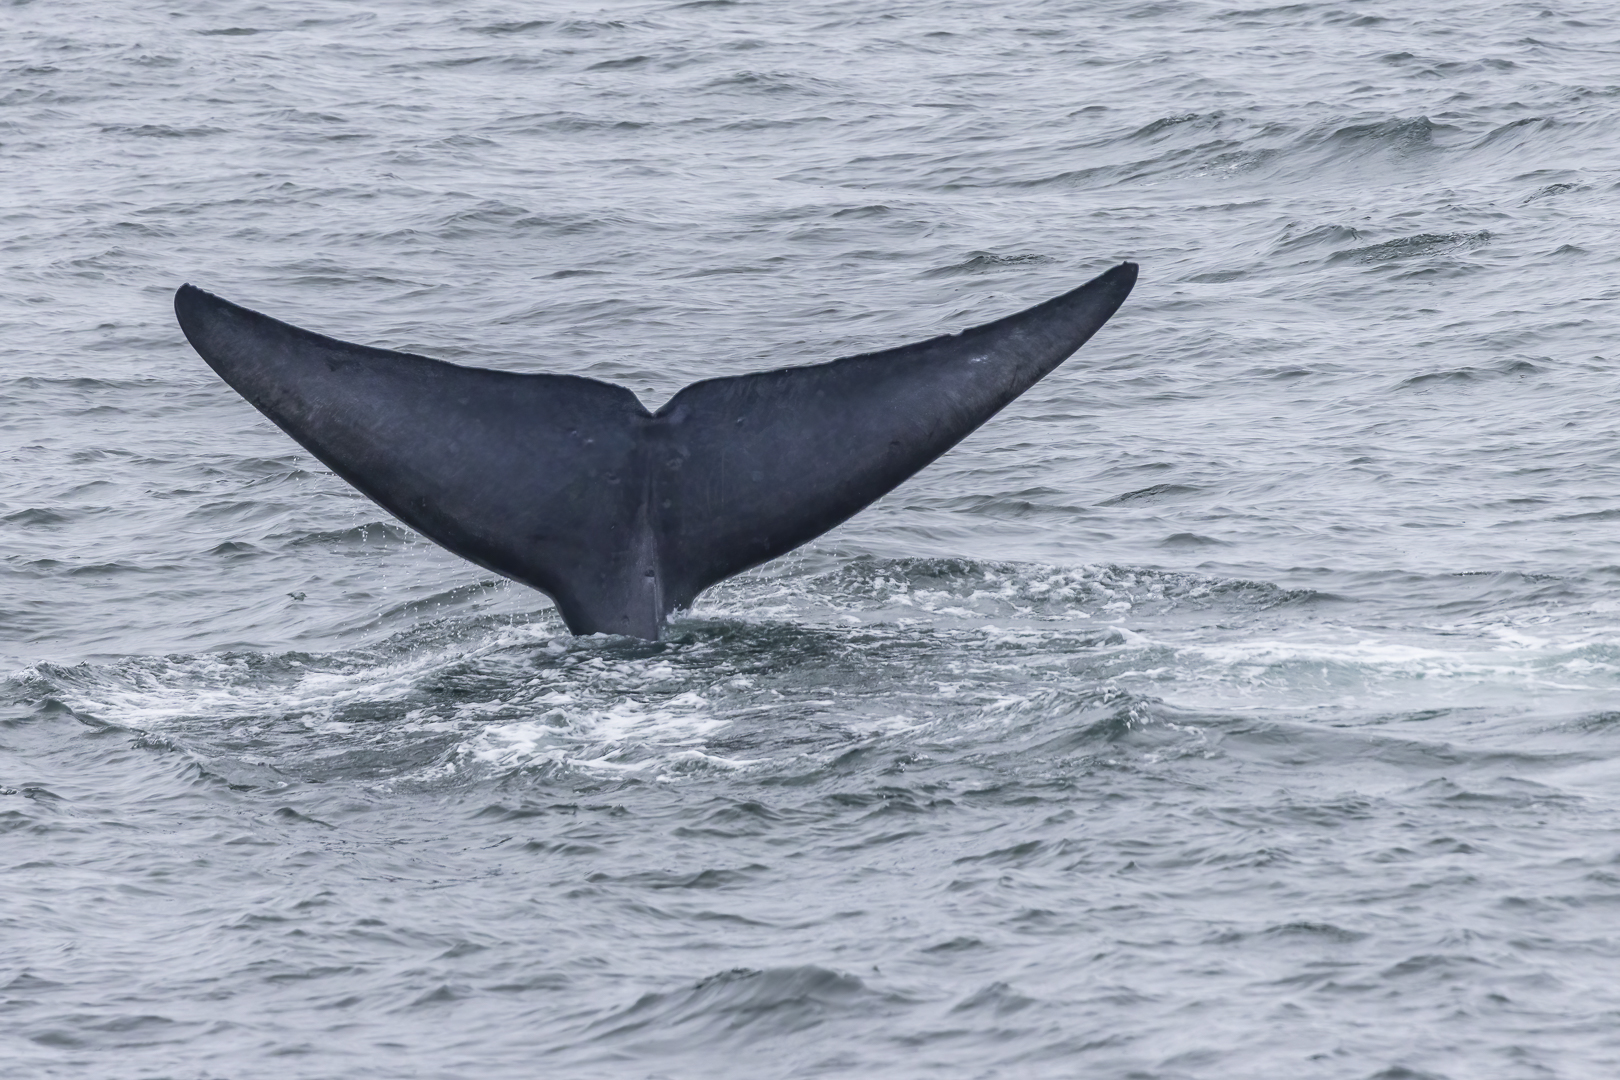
621	515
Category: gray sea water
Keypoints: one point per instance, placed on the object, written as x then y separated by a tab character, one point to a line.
1244	701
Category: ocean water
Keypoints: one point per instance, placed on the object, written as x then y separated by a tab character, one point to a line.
1244	701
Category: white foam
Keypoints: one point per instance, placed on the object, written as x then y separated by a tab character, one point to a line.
627	735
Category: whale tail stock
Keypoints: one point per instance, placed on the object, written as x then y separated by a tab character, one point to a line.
621	515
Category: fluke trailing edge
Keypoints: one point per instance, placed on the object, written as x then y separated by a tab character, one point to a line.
621	515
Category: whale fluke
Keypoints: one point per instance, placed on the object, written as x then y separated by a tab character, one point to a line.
618	514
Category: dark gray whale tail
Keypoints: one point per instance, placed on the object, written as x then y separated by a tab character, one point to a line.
621	515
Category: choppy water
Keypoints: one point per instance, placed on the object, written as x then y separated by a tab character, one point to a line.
1244	701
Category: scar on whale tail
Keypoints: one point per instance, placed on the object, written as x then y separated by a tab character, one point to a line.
622	515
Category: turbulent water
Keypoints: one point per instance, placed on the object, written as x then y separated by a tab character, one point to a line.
1242	701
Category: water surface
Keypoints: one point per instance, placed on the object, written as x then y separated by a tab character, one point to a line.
1240	702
